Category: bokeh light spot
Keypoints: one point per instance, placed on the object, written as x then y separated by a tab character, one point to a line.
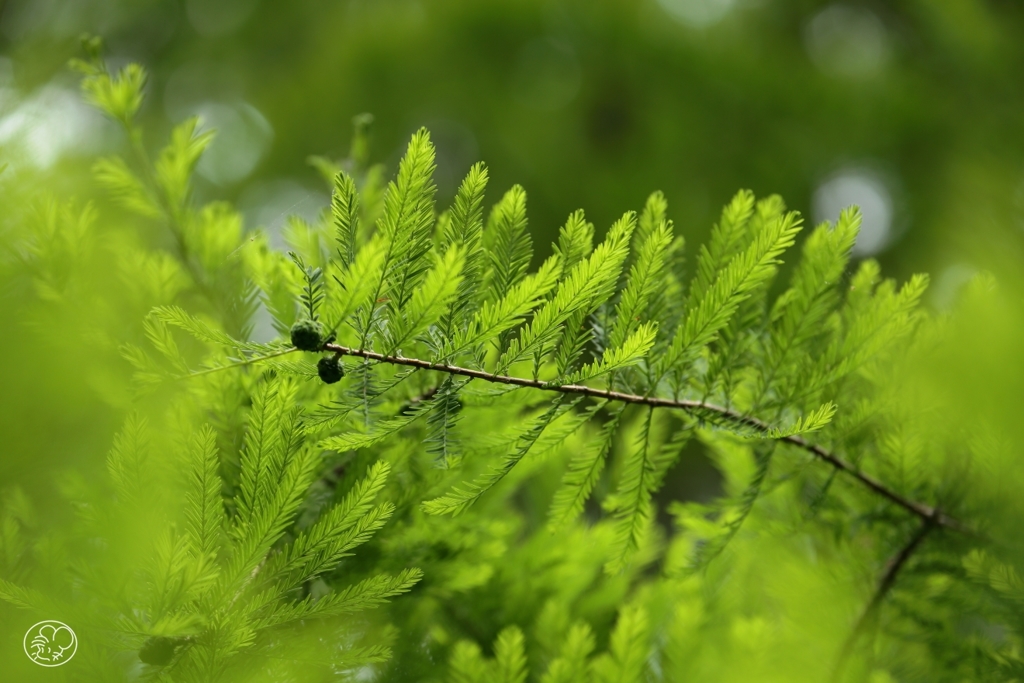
847	41
698	13
49	124
863	188
269	204
243	136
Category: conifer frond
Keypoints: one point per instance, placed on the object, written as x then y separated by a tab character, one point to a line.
583	472
874	318
262	443
653	215
465	230
405	228
571	665
509	247
360	282
276	472
204	332
430	300
118	96
632	350
467	664
327	415
204	506
811	422
407	221
125	187
126	462
510	656
442	420
497	317
25	598
575	243
644	279
339	530
361	658
267	524
575	240
161	339
466	220
590	282
982	567
380	431
173	168
800	312
577	335
345	212
626	661
313	287
277	280
148	373
727	239
460	498
708	314
642	474
561	430
271	351
363	596
734	513
632	501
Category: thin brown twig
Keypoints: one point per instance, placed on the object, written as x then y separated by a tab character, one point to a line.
885	583
925	512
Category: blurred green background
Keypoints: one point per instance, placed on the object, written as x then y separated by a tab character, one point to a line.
913	109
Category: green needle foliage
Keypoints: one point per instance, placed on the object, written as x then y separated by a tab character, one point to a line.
486	492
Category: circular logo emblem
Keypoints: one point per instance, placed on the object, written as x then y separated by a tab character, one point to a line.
50	643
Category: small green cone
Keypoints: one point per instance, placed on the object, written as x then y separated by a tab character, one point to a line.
330	370
307	335
158	650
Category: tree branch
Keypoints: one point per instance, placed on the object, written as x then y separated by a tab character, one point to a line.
885	584
925	512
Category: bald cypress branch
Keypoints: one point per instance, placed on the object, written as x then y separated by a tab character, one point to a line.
922	510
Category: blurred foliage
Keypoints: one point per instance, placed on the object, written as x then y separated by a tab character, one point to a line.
593	103
587	104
